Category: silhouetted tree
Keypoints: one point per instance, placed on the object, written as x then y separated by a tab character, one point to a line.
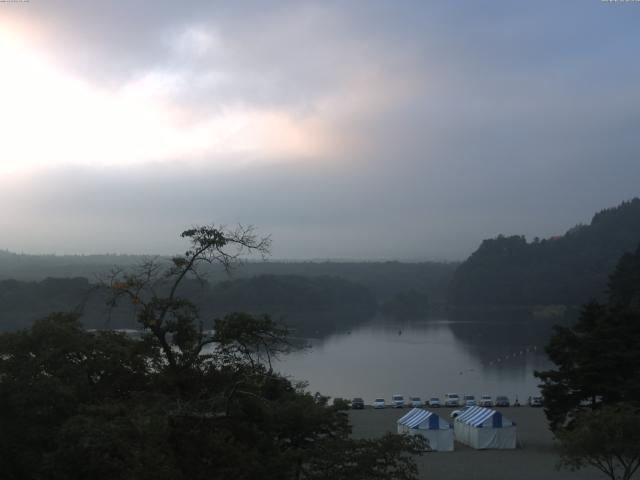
598	359
624	282
607	439
183	402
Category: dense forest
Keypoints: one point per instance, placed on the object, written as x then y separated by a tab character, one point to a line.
597	358
566	270
23	302
309	304
313	297
190	399
409	305
383	279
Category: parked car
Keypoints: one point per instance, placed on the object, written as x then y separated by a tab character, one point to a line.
455	413
379	403
535	401
469	401
434	402
397	401
416	402
486	401
451	400
502	401
357	403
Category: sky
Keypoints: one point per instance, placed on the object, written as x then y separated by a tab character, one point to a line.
406	130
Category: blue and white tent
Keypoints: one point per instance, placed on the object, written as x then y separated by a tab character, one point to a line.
437	431
482	428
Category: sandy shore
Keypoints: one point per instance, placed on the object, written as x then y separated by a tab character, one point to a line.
534	460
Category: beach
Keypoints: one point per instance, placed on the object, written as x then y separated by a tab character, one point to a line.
534	459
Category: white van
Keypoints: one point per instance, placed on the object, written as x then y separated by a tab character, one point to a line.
397	401
451	400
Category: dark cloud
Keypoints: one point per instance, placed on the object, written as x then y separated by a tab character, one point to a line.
463	120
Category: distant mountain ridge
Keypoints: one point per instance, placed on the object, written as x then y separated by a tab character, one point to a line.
384	279
567	270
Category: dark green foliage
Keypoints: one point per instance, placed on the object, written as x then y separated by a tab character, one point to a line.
244	339
624	282
291	293
598	359
49	373
22	302
607	439
76	404
306	303
570	270
407	305
312	297
383	279
182	403
380	459
303	303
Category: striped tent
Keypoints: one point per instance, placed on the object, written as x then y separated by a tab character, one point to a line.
483	428
437	431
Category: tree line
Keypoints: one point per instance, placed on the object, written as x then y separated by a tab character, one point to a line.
565	270
307	304
384	279
592	397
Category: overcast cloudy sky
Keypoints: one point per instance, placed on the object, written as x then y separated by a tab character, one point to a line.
346	129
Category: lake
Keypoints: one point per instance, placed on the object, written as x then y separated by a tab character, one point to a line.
424	358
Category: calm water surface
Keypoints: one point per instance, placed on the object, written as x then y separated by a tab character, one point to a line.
424	358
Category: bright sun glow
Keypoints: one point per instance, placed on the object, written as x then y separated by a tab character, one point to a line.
49	117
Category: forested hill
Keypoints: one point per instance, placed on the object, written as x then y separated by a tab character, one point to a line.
569	270
384	279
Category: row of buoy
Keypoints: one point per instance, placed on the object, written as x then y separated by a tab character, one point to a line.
513	355
500	360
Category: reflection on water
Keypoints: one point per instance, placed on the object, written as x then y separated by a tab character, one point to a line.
425	358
